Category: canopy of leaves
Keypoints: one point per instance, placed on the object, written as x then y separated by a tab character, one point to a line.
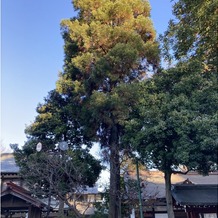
57	119
193	34
114	43
51	171
176	123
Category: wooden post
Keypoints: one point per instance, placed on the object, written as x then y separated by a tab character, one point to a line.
139	190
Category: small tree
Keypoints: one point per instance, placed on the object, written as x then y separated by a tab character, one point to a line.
58	175
52	172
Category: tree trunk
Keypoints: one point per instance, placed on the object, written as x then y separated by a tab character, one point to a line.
114	194
169	199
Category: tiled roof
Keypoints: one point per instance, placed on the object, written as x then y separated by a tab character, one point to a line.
154	184
195	195
157	177
18	191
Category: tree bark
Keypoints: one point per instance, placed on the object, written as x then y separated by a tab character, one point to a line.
169	199
114	193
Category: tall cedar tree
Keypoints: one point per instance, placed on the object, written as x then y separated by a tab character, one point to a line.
109	47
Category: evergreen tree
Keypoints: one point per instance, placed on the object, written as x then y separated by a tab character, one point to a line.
52	172
191	40
108	47
176	123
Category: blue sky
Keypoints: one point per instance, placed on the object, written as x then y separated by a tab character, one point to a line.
32	55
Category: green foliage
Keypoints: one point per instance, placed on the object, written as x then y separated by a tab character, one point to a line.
115	47
51	172
57	119
109	47
177	122
111	52
193	34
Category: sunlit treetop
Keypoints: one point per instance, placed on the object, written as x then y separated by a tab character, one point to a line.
105	23
113	39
